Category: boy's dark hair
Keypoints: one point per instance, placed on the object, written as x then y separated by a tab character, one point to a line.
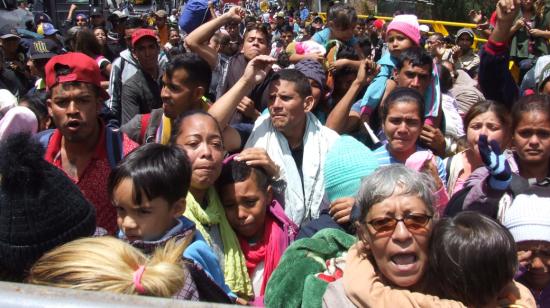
259	28
287	28
176	127
238	171
283	60
346	52
134	23
37	104
401	95
472	258
156	170
416	56
365	44
342	16
301	82
194	65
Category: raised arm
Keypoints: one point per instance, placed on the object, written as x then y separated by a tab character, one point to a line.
197	40
254	73
495	80
338	117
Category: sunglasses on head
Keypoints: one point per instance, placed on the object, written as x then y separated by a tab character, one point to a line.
412	221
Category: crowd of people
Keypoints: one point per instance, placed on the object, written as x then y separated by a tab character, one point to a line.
276	157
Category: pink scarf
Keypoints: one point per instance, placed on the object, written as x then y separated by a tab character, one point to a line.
269	250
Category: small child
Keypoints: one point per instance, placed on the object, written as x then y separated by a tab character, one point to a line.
473	260
109	264
263	229
402	33
148	190
471	263
528	219
342	19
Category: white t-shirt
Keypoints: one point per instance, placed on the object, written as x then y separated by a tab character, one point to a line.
257	278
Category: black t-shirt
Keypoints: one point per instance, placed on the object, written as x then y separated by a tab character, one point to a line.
298	156
10	81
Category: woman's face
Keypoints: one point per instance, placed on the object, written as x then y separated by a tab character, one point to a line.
201	139
174	38
401	255
486	124
532	138
402	127
100	35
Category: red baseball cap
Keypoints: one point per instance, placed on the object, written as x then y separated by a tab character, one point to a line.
141	33
80	68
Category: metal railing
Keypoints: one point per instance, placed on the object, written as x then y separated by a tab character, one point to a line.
14	295
437	25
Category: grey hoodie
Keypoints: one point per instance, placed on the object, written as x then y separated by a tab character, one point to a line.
129	66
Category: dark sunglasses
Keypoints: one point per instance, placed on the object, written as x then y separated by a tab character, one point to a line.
413	222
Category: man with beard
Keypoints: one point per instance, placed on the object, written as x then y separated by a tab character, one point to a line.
290	135
82	146
185	81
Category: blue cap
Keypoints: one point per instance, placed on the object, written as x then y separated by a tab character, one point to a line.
48	29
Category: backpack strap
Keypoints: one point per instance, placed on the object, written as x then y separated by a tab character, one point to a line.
44	137
113	140
144	125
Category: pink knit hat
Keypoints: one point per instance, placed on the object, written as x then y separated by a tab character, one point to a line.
408	25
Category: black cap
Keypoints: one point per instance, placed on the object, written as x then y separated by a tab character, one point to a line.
8	31
96	11
43	49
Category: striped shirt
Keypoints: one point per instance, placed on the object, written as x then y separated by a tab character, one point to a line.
384	158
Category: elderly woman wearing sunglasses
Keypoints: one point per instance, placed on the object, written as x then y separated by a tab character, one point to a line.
394	217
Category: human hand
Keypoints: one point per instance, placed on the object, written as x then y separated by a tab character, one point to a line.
456	51
520	23
434	139
507	10
257	68
73	7
430	168
337	65
258	157
368	69
317	56
340	209
248	108
475	16
235	14
524	257
536	32
496	163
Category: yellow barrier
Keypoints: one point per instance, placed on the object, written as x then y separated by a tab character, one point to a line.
437	25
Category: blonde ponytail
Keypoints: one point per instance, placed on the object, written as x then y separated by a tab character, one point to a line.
108	264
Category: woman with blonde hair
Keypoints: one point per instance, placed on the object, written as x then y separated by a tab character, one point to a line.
109	264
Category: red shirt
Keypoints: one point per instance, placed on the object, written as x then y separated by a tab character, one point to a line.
93	182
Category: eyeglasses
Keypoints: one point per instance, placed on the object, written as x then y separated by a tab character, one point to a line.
413	222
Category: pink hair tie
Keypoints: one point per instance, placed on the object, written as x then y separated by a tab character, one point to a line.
137	279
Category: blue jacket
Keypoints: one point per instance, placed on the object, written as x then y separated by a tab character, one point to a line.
495	80
198	250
